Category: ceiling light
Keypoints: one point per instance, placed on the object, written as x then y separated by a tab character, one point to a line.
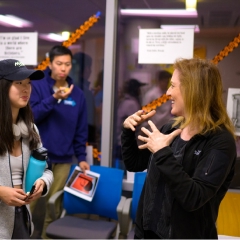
195	27
191	4
52	37
159	12
65	35
11	20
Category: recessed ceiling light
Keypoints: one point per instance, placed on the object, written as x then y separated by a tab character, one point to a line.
195	27
65	35
13	21
52	37
159	12
191	4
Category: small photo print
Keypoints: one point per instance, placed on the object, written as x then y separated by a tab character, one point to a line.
82	185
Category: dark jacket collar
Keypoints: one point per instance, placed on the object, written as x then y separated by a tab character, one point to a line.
167	129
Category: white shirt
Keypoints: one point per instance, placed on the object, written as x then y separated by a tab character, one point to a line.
17	169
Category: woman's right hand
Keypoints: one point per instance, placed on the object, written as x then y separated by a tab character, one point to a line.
137	118
12	196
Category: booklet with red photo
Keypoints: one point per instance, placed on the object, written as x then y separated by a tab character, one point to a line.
81	184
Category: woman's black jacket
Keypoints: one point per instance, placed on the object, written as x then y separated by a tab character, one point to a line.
180	199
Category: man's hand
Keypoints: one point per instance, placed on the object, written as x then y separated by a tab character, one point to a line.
155	140
84	166
63	92
137	118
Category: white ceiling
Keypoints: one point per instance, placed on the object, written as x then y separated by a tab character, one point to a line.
215	17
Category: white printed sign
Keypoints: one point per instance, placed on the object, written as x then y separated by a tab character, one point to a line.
161	46
20	46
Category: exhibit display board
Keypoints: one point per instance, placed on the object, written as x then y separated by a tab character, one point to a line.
21	46
165	46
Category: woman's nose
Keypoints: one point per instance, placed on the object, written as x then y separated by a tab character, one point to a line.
26	87
168	91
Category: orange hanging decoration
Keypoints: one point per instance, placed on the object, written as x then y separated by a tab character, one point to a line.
96	154
73	37
229	48
219	57
156	103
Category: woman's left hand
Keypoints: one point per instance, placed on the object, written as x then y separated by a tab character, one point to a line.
155	140
39	186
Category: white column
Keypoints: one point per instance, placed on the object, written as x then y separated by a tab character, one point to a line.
109	82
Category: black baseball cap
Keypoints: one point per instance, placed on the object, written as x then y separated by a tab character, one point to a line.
14	70
134	83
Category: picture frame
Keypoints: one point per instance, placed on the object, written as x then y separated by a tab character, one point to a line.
233	108
81	184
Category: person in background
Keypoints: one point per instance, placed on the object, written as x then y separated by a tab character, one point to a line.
60	112
80	72
129	104
19	136
163	113
190	161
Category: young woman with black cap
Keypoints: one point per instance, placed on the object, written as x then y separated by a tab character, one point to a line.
18	137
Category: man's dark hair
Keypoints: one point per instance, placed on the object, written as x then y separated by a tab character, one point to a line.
59	50
164	75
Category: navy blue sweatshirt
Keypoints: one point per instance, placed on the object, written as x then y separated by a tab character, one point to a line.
62	126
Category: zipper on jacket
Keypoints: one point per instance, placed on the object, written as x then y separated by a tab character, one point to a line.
150	161
209	167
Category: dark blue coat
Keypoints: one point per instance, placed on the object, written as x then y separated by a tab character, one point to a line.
62	126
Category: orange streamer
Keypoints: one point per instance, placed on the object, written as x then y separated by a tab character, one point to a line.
73	38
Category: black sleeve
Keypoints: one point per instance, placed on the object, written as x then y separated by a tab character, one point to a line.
135	160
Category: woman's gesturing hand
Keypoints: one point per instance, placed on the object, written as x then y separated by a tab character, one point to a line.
137	118
155	140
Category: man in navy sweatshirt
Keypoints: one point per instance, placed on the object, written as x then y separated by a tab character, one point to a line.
60	114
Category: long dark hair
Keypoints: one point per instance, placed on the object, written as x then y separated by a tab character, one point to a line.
6	121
